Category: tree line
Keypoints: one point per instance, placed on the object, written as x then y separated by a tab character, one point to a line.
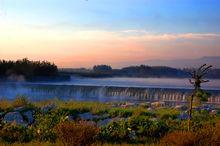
138	71
27	68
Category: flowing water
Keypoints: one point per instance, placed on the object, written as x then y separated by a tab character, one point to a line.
108	89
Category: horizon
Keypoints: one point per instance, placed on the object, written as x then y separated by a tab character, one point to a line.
152	63
118	33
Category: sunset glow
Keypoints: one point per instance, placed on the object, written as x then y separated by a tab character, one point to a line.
79	33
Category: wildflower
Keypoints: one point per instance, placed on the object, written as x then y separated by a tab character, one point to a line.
38	131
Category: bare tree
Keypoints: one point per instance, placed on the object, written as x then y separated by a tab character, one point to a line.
197	78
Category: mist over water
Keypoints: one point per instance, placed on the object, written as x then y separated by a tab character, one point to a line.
143	82
103	89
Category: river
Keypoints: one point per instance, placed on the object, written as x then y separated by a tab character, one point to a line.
106	89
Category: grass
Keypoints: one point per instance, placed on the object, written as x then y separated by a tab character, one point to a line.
164	113
139	119
93	107
38	143
19	101
5	104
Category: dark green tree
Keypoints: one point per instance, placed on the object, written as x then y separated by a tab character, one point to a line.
102	68
27	68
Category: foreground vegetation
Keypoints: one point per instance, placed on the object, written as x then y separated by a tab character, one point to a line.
56	122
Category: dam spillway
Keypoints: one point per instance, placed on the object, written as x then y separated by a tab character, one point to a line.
38	92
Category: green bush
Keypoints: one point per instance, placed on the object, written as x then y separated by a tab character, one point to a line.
200	118
167	113
176	124
141	111
45	123
11	133
135	130
115	132
146	129
138	125
120	112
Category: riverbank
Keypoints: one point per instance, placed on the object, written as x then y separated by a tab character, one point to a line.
55	121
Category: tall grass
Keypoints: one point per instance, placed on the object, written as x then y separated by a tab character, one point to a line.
20	101
72	133
5	104
207	135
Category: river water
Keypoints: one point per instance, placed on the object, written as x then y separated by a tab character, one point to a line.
105	89
142	82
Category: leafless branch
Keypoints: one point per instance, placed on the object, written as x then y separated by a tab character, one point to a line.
191	82
204	81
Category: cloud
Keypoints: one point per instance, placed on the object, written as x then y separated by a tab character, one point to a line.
138	34
83	47
143	35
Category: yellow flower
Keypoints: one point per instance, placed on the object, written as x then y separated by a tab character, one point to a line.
38	131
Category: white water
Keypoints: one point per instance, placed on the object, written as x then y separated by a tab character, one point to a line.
85	88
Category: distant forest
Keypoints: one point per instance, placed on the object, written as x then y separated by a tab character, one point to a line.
136	71
25	69
28	70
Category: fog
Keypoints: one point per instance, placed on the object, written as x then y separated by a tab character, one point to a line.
103	89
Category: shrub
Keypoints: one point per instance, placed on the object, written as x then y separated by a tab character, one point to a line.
45	123
167	113
208	135
176	124
146	129
119	112
140	111
179	138
199	119
136	130
11	133
5	105
72	133
20	101
115	132
216	134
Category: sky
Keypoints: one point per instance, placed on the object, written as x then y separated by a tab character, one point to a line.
81	33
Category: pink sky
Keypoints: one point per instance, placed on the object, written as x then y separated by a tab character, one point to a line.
82	33
85	48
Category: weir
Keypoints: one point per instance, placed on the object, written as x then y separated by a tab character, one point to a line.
101	93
